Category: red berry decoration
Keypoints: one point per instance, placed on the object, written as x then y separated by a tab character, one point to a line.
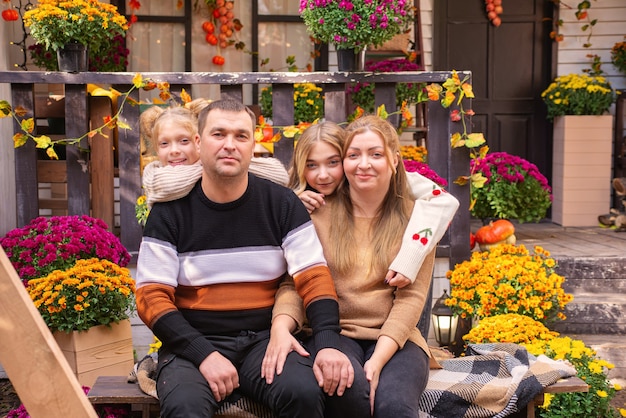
436	192
10	15
494	10
424	240
416	237
218	60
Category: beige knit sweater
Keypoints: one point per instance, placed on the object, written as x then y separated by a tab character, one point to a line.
162	184
368	308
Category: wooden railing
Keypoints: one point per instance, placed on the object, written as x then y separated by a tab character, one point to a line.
447	162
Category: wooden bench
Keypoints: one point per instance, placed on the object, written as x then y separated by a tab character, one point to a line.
115	390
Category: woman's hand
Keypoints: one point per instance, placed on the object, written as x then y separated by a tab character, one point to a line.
396	279
385	349
312	200
281	343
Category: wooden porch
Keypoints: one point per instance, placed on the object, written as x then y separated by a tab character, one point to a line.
81	183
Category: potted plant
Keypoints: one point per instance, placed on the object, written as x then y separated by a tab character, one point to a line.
582	138
618	56
92	292
514	189
111	57
578	94
356	24
59	24
87	308
56	243
508	279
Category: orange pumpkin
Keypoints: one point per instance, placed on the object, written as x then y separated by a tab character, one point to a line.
497	232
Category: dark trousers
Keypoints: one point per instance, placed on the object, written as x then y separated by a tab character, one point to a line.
401	384
183	391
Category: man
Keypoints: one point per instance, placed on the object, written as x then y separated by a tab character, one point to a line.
208	269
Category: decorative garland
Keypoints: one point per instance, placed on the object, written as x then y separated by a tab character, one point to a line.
222	27
494	9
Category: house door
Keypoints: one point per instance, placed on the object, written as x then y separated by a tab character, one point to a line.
511	65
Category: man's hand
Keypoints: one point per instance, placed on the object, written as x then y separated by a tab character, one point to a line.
221	375
333	371
281	343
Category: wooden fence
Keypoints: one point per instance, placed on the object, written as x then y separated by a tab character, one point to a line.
447	162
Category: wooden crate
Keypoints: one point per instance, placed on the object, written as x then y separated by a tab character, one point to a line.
100	351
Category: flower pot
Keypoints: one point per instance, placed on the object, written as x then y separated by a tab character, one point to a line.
72	58
99	351
350	60
581	169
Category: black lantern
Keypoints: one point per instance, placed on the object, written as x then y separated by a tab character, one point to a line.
444	321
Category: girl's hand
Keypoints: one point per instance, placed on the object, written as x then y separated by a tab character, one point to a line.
312	200
396	279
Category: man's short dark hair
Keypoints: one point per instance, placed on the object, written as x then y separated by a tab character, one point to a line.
226	105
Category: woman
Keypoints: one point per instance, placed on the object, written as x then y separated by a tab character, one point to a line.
361	228
316	171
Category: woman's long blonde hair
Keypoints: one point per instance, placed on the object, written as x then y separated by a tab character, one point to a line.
328	132
392	215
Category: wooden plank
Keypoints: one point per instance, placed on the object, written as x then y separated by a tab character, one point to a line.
25	160
53	203
77	158
283	115
51	171
40	375
130	179
385	94
116	389
48	107
335	106
570	384
101	162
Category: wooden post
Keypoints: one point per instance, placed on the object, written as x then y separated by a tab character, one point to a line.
32	359
101	161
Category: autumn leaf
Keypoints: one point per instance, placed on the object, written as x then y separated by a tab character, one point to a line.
381	112
52	154
433	91
455	115
184	96
138	81
20	111
43	141
28	125
467	89
291	131
122	125
19	139
475	140
5	109
448	99
456	140
478	180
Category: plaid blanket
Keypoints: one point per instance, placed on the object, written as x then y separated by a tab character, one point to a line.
492	380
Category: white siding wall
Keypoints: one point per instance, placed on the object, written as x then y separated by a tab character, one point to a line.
610	29
426	16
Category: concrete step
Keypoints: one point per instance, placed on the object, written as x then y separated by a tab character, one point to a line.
595	313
